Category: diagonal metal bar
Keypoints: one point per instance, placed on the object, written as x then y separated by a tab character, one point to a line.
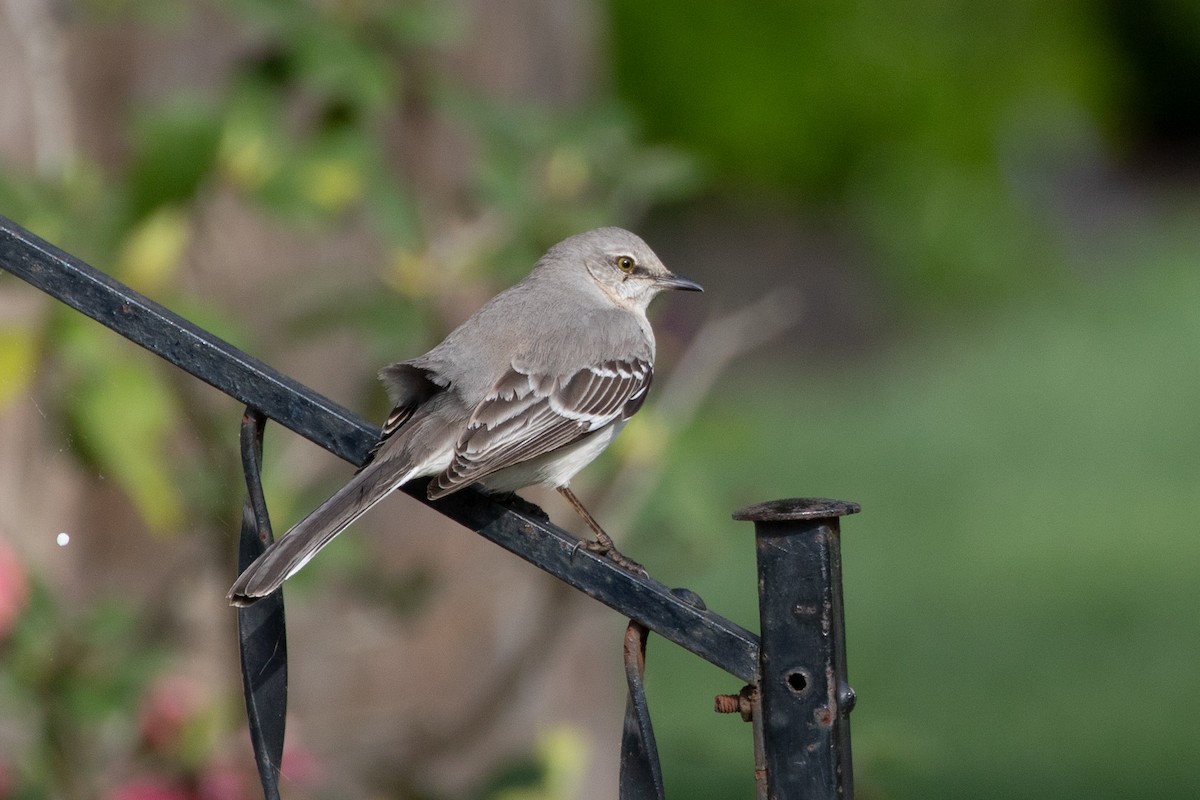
645	600
220	364
185	345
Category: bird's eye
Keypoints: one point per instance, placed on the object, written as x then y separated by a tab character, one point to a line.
626	264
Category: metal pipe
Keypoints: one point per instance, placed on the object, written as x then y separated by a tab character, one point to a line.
804	698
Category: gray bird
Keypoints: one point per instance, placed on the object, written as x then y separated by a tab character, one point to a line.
528	390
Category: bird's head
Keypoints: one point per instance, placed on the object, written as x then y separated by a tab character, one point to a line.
620	264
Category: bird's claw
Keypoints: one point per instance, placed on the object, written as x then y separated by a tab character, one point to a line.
607	550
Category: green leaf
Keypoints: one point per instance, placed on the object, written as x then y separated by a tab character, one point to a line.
124	414
175	149
333	63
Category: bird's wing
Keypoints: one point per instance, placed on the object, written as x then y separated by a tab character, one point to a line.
527	415
394	422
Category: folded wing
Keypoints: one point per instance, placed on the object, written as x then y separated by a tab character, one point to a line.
527	415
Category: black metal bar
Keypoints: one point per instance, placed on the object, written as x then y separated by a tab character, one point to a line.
185	345
804	698
718	640
641	772
262	632
679	618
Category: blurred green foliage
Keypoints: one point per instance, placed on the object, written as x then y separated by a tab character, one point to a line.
69	676
803	96
915	121
302	131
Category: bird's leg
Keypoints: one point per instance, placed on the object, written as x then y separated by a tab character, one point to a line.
603	545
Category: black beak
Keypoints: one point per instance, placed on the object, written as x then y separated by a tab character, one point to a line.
679	282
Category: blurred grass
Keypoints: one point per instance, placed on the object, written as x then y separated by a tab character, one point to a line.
1021	585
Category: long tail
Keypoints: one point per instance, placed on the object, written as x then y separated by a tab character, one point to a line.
286	556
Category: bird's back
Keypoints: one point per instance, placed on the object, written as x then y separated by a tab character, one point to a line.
529	324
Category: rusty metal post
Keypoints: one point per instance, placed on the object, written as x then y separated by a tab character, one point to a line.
804	699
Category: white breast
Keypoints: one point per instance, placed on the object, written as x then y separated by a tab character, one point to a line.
556	468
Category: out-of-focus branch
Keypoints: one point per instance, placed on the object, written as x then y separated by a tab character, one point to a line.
718	343
52	128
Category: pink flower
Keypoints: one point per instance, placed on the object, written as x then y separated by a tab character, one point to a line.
222	782
14	589
172	702
300	766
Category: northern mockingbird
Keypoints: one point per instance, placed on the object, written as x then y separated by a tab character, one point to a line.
528	390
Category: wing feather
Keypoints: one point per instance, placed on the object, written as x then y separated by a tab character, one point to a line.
527	415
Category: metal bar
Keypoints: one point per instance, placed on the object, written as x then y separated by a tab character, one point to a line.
718	640
676	615
805	699
185	345
641	772
262	632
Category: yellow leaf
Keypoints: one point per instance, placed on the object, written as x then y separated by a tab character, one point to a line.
246	158
331	183
644	439
410	274
18	352
562	753
152	251
567	173
126	415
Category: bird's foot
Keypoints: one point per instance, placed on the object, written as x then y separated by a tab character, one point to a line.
603	545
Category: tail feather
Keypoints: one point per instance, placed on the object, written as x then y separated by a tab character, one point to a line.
306	538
